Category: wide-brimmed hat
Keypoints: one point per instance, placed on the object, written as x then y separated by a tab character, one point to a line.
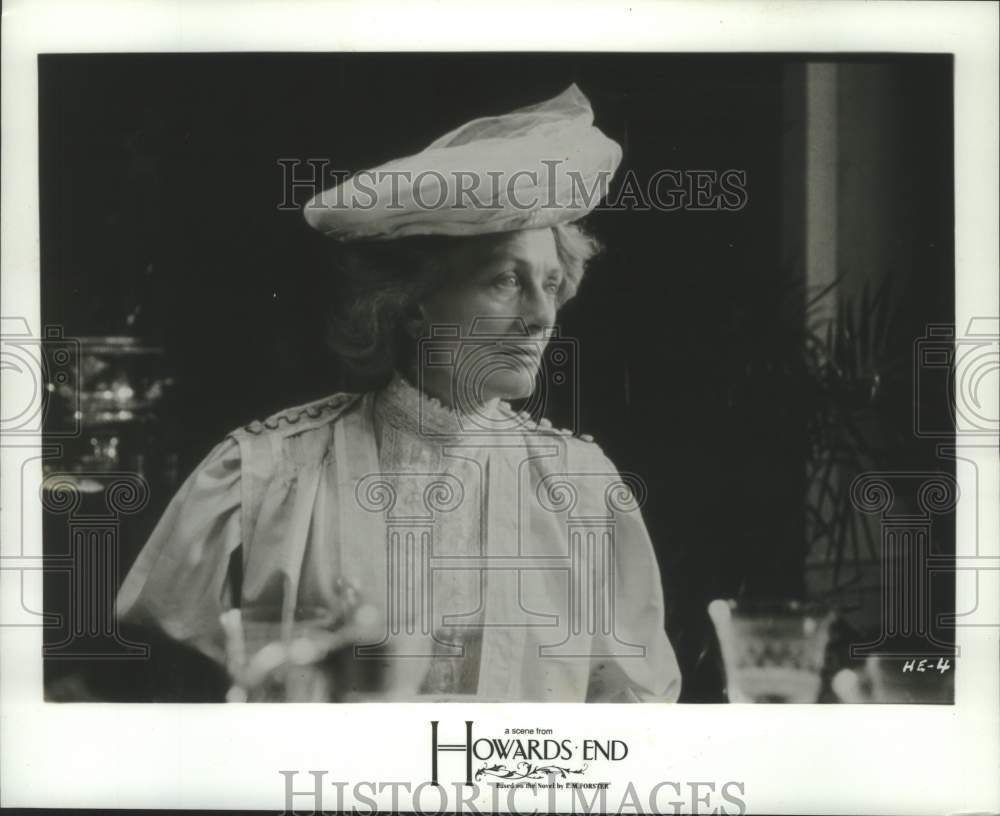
537	166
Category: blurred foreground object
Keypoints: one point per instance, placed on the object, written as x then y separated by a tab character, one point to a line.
308	656
771	653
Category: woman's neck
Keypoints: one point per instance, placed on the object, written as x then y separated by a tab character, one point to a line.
438	383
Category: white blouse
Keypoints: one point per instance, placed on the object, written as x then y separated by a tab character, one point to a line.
509	560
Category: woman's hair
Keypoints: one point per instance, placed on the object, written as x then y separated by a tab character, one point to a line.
379	284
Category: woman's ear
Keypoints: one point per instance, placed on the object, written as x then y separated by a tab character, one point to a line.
414	321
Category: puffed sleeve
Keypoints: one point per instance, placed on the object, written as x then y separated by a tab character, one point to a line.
648	671
180	583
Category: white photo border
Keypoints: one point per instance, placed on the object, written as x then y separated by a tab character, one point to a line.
792	759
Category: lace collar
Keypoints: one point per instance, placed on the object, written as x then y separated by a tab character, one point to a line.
405	407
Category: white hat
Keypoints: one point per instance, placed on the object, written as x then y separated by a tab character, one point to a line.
537	166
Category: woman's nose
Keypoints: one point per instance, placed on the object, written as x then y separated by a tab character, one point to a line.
539	310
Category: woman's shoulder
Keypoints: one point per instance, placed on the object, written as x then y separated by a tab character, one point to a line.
572	443
301	418
293	437
574	451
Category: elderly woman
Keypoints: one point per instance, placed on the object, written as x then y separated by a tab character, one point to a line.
465	550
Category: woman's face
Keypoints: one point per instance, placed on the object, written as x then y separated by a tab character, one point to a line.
484	332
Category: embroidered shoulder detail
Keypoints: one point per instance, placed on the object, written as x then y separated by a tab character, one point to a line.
322	410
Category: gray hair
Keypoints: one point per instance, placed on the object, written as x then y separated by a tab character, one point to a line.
380	283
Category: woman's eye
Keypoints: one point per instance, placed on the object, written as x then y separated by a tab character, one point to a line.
509	281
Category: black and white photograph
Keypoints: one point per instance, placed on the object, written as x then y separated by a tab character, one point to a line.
496	376
539	390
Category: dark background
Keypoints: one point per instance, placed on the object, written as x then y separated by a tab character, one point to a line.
160	188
